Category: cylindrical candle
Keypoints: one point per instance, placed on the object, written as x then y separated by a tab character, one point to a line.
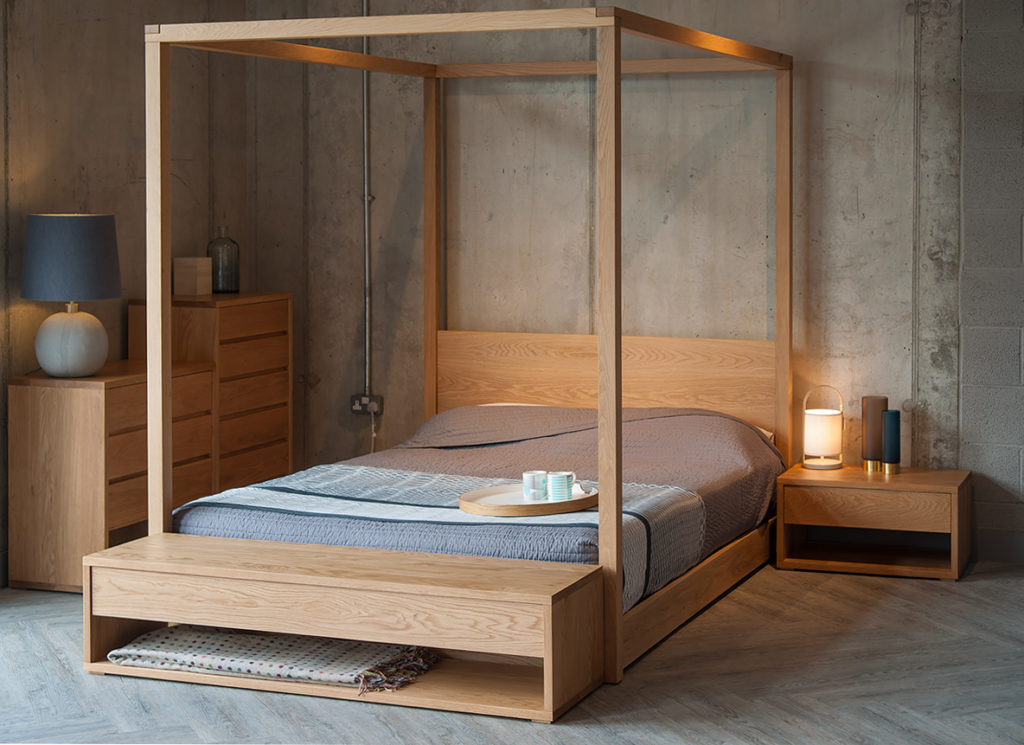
891	436
871	426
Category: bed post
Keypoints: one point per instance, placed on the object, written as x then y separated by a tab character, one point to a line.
609	338
158	284
784	430
432	217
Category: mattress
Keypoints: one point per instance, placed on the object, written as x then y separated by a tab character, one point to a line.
692	481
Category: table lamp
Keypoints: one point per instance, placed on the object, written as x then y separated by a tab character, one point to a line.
823	434
70	257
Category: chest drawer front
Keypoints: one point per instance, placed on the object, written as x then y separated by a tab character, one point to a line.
126	452
126	406
255	465
253	356
876	509
240	321
249	430
244	394
126	500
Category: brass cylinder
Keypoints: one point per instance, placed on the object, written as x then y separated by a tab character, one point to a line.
873	466
891	469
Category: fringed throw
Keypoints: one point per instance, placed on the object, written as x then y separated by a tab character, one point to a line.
311	659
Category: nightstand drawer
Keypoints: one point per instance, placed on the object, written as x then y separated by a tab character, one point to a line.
866	508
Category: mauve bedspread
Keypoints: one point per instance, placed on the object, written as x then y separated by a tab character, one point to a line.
693	480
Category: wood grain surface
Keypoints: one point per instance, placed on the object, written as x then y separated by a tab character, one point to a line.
733	376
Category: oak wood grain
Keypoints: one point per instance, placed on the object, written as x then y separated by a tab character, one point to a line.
252	356
56	482
252	429
254	392
920	500
318	55
126	452
158	284
430	23
352	568
733	376
475	687
126	500
126	405
433	222
589	67
867	508
254	319
609	340
257	464
379	616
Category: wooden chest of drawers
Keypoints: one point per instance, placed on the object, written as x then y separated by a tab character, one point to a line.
77	449
247	337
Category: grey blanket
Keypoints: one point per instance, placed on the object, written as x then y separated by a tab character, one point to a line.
729	463
406	498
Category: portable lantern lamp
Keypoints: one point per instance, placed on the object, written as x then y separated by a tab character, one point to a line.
823	434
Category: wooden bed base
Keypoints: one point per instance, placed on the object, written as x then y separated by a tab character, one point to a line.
563	623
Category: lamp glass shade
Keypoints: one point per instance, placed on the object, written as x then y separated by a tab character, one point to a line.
70	257
823	436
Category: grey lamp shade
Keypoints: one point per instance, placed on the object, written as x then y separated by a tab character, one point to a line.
70	257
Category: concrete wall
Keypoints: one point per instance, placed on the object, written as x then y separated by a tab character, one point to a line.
992	278
697	170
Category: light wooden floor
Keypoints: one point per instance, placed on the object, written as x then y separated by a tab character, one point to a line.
788	657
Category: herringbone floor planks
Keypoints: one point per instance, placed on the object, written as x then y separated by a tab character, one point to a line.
788	657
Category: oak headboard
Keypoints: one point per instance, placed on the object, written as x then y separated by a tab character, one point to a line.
734	376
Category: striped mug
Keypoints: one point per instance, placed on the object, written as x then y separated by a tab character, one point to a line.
560	485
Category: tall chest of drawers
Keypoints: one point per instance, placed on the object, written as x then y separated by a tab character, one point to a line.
77	476
247	337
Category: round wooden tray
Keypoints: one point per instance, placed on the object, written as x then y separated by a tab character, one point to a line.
506	500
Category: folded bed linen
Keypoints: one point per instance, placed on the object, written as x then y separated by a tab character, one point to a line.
406	498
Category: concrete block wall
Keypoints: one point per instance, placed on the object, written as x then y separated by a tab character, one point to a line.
992	273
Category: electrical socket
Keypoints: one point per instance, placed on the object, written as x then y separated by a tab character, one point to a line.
364	404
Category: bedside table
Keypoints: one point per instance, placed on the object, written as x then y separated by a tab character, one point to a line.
77	473
913	524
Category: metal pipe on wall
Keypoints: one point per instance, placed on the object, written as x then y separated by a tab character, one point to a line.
367	200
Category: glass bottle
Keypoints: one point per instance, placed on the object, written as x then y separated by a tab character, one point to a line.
224	254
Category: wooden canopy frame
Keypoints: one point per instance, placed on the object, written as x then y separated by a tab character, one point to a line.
754	378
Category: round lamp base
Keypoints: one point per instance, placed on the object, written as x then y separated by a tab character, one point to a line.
71	345
823	464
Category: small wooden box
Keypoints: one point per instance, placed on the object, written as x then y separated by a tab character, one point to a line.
193	275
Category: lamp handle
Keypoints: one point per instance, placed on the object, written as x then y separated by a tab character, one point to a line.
812	390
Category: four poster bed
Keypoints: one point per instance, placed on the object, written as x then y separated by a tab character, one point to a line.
520	638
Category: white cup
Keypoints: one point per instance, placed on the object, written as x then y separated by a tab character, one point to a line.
560	485
536	495
535	486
